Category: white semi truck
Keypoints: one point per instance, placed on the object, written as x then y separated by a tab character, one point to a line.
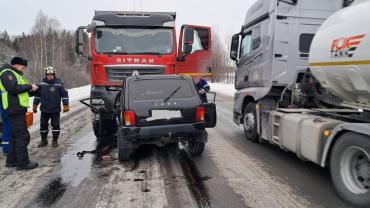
303	83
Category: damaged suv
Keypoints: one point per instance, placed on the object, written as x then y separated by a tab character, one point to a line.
163	109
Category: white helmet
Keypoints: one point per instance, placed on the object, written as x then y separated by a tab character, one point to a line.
49	70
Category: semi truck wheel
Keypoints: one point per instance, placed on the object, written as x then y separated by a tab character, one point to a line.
197	145
250	122
350	168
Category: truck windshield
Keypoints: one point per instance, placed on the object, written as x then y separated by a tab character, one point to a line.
134	40
161	89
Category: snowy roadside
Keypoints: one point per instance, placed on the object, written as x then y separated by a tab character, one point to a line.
223	88
78	93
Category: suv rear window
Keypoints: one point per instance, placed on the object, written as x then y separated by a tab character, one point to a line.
160	88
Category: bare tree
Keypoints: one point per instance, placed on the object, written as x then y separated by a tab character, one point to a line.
49	45
221	63
6	50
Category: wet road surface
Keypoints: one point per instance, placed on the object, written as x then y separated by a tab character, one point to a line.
232	172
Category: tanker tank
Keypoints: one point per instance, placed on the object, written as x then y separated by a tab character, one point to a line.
340	54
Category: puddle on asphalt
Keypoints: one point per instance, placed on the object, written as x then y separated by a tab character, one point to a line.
74	170
71	173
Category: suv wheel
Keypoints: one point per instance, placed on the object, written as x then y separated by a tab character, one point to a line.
250	122
197	145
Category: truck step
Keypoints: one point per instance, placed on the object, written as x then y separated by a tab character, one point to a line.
276	124
276	139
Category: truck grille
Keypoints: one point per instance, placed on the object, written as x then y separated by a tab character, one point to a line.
119	73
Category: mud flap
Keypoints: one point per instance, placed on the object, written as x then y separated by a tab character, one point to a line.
210	115
125	147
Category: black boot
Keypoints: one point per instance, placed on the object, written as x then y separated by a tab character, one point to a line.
44	141
55	142
28	166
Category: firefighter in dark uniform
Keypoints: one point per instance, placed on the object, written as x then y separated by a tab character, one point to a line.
203	88
15	97
50	95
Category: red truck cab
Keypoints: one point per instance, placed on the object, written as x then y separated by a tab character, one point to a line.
121	44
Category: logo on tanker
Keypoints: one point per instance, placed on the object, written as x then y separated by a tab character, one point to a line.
134	61
345	47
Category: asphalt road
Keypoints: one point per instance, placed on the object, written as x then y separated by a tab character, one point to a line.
259	175
232	172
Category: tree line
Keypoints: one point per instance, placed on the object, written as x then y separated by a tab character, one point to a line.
46	45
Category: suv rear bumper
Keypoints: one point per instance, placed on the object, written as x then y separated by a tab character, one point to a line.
160	135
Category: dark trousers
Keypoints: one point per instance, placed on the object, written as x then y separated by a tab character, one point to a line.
55	124
19	140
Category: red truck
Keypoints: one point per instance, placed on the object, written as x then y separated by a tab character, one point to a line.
120	44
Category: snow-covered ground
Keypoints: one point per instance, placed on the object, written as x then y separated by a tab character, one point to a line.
79	93
223	88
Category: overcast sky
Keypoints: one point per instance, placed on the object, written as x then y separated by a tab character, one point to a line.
17	16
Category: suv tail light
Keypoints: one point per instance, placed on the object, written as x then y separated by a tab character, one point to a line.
129	117
200	113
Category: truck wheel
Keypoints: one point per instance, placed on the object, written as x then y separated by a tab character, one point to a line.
197	145
350	168
250	122
124	150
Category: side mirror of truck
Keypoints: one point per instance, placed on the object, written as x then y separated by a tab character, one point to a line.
234	47
79	47
188	40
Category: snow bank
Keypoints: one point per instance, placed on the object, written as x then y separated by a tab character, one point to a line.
223	88
79	93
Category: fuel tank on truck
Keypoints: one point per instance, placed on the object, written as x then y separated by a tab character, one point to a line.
340	54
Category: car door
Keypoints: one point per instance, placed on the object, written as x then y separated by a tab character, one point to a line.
210	115
196	61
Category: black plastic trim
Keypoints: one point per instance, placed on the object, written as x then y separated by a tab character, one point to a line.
256	21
